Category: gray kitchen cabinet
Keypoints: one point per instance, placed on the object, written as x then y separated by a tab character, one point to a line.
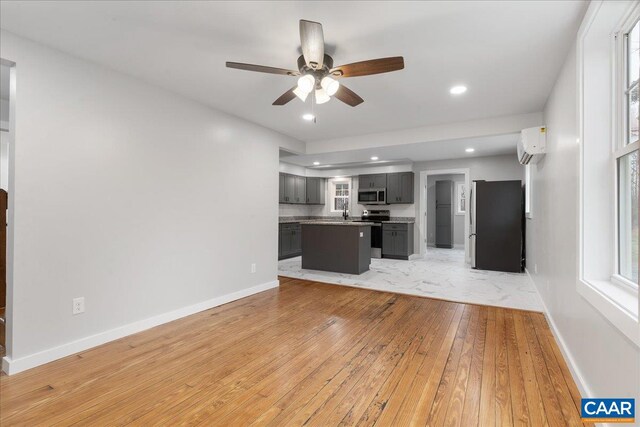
315	191
281	194
378	180
289	240
300	189
397	240
289	191
400	187
444	214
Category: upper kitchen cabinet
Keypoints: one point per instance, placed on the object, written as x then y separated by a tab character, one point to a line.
378	180
282	197
287	188
400	187
301	190
300	195
315	191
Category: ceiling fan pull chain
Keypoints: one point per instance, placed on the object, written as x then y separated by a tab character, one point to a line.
313	101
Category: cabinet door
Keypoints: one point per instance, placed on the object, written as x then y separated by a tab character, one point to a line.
394	192
314	191
364	181
300	189
380	180
406	187
388	243
372	181
281	198
296	240
285	241
322	189
400	244
289	188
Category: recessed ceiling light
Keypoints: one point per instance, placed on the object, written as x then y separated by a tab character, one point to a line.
470	150
308	117
457	90
374	158
316	163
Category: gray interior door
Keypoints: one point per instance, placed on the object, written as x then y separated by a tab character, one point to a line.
444	214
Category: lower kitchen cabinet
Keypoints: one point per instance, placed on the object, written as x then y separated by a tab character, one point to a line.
289	240
397	240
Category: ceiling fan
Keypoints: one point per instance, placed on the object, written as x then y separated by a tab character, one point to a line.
317	73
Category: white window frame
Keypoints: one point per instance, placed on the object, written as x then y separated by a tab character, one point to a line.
620	147
332	192
615	297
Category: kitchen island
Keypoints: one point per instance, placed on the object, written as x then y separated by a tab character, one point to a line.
338	246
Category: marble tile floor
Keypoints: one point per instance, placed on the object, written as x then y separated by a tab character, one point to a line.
442	273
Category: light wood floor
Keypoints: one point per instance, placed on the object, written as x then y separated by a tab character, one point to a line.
316	354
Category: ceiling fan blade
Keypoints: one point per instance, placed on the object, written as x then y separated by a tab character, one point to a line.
312	42
348	96
262	69
285	97
372	66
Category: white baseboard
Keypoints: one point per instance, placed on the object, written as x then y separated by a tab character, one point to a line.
13	366
578	378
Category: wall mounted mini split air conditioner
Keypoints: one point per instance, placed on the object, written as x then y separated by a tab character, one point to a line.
532	144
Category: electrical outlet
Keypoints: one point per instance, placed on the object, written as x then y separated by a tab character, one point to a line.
253	267
78	305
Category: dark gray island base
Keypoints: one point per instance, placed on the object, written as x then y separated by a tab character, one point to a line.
341	247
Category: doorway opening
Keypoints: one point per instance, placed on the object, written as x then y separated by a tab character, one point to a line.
444	210
7	132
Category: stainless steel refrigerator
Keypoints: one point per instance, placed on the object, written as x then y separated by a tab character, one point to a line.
496	226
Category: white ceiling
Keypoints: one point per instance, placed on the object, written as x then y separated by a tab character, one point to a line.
435	150
507	53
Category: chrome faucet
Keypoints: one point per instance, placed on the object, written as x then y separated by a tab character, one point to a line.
345	213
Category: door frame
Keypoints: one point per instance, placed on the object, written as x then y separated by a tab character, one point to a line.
11	137
423	206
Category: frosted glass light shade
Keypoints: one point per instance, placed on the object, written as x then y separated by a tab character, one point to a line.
330	85
306	83
300	94
321	96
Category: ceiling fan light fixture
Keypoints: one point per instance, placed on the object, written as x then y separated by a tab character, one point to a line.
300	94
306	83
308	117
322	96
330	85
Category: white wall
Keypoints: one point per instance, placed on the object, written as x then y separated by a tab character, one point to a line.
122	196
605	362
458	219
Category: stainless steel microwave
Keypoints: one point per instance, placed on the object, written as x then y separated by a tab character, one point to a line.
372	196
